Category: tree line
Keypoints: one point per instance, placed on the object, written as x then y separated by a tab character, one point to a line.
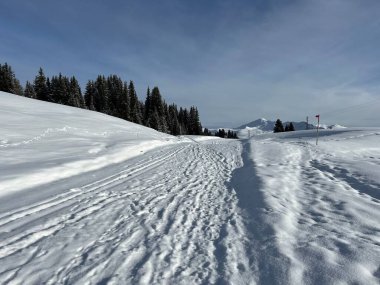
223	134
279	127
109	95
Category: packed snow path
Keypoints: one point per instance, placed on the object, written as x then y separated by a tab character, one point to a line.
160	218
271	210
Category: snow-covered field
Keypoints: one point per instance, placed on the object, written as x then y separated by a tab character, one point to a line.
90	199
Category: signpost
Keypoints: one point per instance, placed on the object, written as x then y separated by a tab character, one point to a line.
317	116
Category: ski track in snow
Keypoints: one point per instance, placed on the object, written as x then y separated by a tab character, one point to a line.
162	220
322	219
270	210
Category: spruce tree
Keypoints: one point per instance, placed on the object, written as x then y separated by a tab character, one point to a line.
6	78
206	132
101	95
40	87
115	91
29	90
89	95
8	81
154	121
278	127
147	108
59	89
291	127
135	109
75	94
174	126
124	102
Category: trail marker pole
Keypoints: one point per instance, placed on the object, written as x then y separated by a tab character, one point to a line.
307	122
316	142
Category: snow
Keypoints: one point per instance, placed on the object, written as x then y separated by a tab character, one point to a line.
263	126
335	126
91	199
323	204
43	142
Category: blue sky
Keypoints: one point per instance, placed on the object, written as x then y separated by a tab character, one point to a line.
235	60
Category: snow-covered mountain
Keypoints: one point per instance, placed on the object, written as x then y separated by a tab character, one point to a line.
262	125
259	124
265	125
86	198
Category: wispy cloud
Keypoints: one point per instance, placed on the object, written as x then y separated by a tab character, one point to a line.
235	60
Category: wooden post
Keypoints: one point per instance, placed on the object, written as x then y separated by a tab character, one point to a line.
316	142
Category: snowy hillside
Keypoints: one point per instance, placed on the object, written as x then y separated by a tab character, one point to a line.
42	142
90	199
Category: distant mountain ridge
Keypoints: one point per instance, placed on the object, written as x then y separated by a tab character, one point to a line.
265	125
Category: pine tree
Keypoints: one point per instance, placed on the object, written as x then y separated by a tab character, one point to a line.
206	132
181	121
8	81
135	110
174	126
186	121
59	89
115	91
278	127
220	133
40	87
154	105
101	95
17	88
147	108
29	90
49	90
291	127
154	120
89	95
194	125
124	109
75	94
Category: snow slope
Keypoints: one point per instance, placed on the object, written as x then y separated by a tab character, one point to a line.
91	199
42	142
315	210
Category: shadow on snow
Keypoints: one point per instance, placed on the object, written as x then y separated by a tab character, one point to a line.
265	260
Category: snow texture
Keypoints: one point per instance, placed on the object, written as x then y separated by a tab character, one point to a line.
90	199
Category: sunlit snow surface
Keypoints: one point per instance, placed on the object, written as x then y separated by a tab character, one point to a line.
90	199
